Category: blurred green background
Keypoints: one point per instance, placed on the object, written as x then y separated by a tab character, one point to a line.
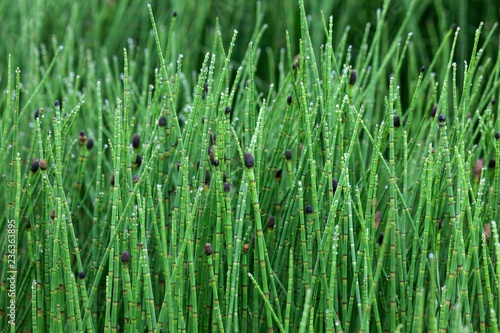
105	27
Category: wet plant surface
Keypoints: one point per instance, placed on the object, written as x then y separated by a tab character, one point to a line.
311	174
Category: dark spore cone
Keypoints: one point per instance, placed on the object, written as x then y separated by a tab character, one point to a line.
215	162
82	138
125	257
135	179
381	238
442	118
37	113
492	163
35	164
288	154
397	121
112	180
228	110
422	69
81	275
309	209
245	248
278	174
174	14
138	160
136	141
208	249
211	154
335	184
43	164
249	161
434	110
57	104
162	121
353	77
289	100
207	177
271	223
90	143
497	135
227	187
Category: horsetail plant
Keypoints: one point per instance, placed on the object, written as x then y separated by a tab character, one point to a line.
186	180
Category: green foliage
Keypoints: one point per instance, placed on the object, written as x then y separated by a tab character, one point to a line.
304	172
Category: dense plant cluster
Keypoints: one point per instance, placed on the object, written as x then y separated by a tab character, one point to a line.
304	175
